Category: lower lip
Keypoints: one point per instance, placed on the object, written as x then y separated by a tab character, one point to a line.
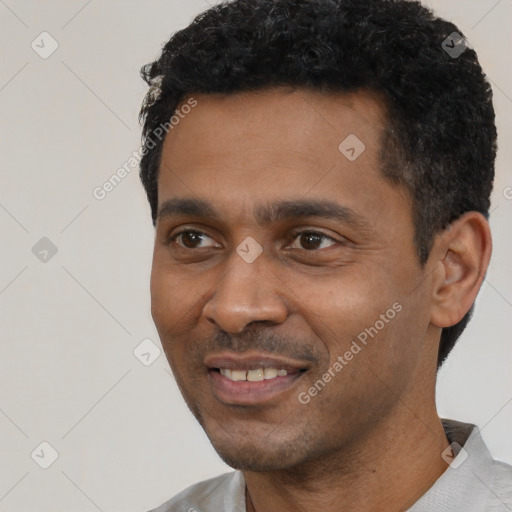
250	393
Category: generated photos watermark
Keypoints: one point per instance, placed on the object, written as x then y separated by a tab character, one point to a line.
357	345
101	191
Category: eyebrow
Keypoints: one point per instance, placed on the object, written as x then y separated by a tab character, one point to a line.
268	214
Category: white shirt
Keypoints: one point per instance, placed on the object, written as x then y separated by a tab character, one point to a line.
473	482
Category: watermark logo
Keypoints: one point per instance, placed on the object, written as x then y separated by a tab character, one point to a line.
454	45
44	250
44	45
351	147
454	455
147	352
44	455
249	249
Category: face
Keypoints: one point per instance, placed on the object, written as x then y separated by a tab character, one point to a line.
285	285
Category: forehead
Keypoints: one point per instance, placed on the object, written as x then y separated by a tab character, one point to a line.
260	146
283	117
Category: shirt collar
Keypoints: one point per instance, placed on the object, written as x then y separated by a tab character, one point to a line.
466	483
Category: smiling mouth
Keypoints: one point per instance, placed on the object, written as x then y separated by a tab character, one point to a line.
255	375
253	378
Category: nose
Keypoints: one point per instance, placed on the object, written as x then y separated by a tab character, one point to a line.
247	292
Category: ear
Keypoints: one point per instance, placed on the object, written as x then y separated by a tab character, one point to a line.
461	256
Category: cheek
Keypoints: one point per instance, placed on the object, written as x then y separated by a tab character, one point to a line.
346	303
173	296
167	308
177	301
163	299
372	308
171	304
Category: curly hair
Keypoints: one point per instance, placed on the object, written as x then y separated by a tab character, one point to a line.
440	138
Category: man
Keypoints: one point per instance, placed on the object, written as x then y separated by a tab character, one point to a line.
320	202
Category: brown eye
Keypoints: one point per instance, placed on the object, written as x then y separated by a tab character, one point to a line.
312	240
191	239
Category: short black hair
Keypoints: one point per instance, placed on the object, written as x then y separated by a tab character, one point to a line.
440	139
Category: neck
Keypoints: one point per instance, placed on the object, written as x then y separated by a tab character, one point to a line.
388	470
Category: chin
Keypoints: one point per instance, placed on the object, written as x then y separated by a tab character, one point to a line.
253	461
259	453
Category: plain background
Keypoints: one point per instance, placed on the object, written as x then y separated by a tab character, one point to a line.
126	441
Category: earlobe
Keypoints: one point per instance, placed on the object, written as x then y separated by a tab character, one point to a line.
463	252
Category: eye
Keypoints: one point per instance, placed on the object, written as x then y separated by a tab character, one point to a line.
312	240
191	239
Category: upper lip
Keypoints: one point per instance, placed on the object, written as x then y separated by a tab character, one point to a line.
253	361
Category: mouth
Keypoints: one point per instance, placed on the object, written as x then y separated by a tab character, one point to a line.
252	379
252	375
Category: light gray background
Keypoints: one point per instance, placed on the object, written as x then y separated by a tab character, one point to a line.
126	441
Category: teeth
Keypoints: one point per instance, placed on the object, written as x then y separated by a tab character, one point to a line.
226	372
270	373
253	375
238	375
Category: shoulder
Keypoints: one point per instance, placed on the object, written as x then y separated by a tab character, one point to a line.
473	481
501	487
225	492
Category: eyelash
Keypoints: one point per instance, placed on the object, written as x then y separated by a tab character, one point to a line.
294	235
